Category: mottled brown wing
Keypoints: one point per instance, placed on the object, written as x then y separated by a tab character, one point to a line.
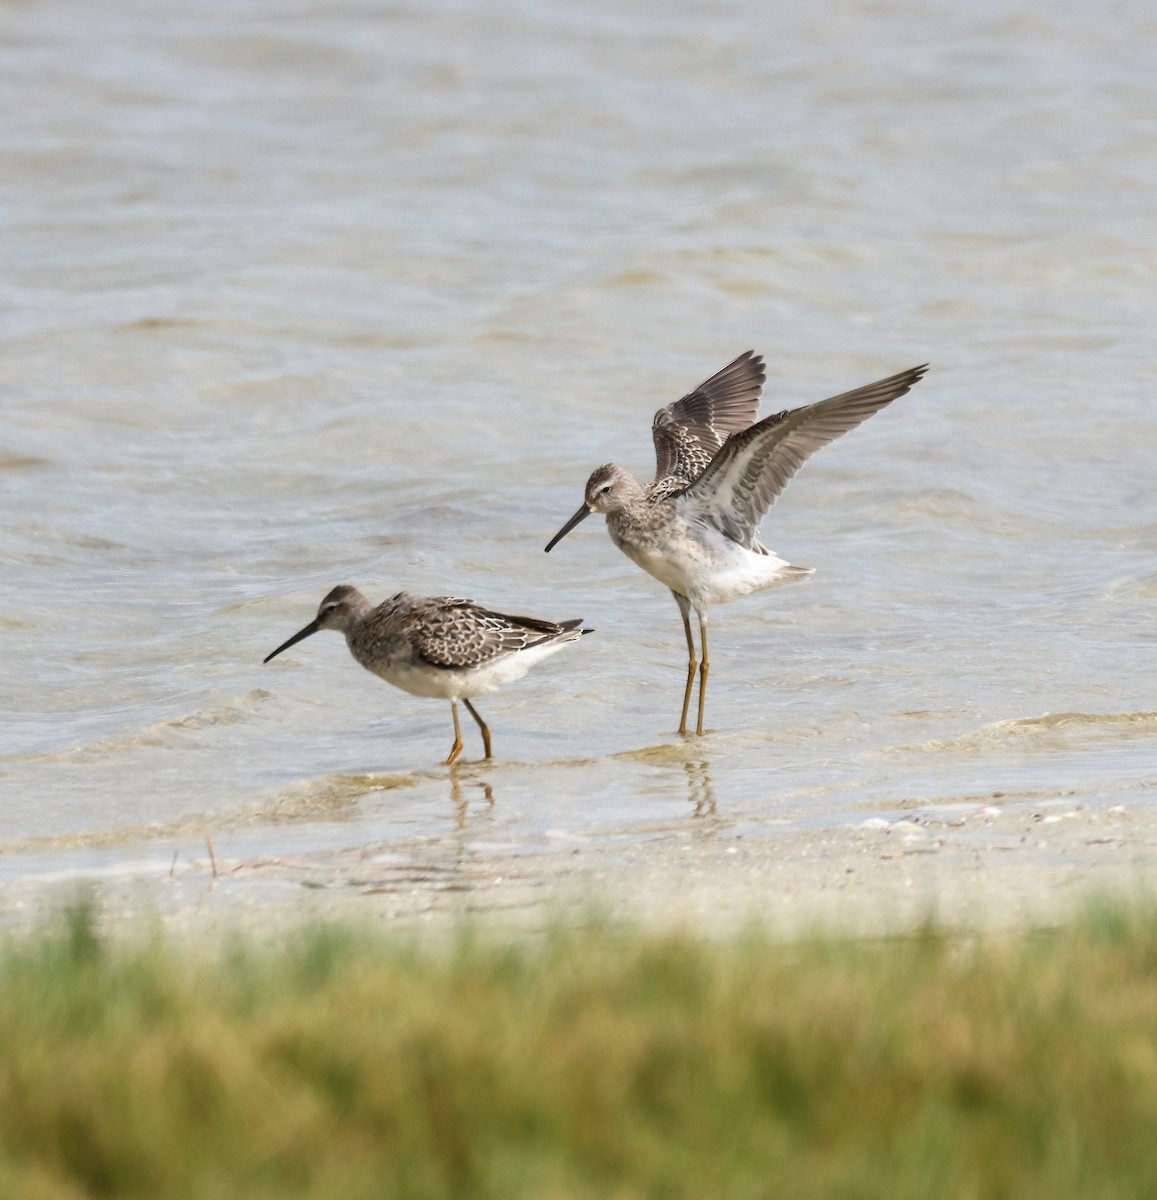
748	474
689	432
458	634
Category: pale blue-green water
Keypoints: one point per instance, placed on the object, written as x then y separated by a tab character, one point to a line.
301	294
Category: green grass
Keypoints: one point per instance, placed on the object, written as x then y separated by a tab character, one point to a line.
594	1062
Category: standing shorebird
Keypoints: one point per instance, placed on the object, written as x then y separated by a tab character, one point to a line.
439	646
694	526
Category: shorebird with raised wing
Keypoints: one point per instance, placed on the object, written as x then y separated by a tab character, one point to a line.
439	646
694	526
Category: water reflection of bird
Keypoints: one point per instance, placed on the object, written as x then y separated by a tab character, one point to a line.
439	646
694	526
700	788
461	802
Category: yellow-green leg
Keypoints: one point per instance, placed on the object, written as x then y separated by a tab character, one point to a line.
685	612
456	749
704	667
481	725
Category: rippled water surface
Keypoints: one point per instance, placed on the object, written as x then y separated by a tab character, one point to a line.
301	294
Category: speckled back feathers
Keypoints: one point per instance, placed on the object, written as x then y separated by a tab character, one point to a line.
451	632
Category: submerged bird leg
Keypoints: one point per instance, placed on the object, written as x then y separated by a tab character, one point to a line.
685	612
704	667
481	725
456	749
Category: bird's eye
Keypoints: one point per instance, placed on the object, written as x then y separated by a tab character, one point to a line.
604	489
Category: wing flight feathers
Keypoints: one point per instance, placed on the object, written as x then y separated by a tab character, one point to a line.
688	432
746	477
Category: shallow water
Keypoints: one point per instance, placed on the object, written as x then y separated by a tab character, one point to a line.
298	295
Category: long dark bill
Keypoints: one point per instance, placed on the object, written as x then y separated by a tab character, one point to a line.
301	634
581	515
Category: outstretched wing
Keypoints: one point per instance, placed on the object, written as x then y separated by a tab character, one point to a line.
688	432
746	477
456	633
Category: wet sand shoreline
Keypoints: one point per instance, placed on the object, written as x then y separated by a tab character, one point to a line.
997	862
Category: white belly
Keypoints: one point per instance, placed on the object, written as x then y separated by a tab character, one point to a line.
441	684
707	567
